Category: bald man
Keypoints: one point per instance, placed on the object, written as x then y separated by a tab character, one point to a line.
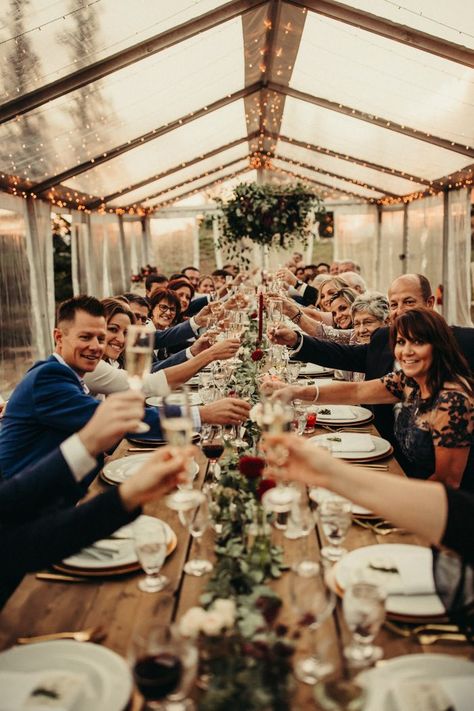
375	359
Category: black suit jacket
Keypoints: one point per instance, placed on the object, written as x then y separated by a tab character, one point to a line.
310	295
375	359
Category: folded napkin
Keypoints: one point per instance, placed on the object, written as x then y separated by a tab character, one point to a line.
414	574
38	691
349	442
336	412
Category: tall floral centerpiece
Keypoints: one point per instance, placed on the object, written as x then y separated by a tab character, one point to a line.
269	215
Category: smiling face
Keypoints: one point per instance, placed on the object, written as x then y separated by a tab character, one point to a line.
184	296
140	312
81	342
163	314
193	276
327	291
341	312
405	294
415	357
365	324
117	328
206	286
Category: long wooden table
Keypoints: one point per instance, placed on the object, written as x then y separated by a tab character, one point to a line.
40	607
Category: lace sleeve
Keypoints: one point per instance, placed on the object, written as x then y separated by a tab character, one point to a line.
336	335
452	422
395	383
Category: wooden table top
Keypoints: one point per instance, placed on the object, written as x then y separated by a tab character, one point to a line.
40	607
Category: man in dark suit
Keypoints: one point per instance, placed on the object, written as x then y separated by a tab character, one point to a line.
375	359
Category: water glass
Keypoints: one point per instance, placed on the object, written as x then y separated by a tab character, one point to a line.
335	516
197	520
151	547
364	613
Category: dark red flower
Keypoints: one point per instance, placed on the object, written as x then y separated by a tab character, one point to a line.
264	486
253	315
251	467
257	354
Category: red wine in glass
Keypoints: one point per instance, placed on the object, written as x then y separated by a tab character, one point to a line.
213	450
157	675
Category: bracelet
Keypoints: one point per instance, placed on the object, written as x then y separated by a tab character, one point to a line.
297	317
316	397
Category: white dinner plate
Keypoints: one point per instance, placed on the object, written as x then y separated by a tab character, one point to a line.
109	683
319	494
123	542
120	469
381	446
356	564
412	667
347	414
194	399
314	369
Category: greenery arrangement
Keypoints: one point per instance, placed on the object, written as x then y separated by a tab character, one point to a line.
270	215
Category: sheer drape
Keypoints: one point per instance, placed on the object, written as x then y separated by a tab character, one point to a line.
390	248
457	284
356	238
425	239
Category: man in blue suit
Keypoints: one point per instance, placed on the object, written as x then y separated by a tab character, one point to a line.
52	402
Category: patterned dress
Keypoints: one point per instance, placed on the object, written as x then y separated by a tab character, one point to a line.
448	421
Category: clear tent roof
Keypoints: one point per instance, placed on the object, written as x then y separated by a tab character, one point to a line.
118	105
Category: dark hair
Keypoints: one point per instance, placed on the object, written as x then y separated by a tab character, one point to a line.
67	310
220	273
178	275
195	269
113	306
425	287
136	299
448	365
175	284
154	279
166	295
323	264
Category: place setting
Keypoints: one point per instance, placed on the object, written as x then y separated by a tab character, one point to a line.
357	447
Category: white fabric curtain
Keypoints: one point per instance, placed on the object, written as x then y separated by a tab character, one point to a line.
355	237
82	270
106	262
132	231
389	263
425	239
457	281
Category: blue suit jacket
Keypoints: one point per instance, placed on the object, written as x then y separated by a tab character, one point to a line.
45	408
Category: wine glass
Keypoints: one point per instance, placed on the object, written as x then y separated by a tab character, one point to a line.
197	519
164	667
138	356
277	417
364	613
275	311
293	368
335	515
212	445
177	425
151	546
314	602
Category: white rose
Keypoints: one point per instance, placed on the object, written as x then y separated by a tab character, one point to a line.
226	609
213	624
192	622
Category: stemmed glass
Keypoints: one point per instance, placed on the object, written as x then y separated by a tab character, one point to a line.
275	311
164	667
277	417
364	613
197	519
212	445
300	416
138	357
151	547
314	602
335	515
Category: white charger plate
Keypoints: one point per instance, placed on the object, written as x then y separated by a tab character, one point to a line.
417	606
409	667
361	414
382	446
108	674
194	399
314	369
120	469
319	494
123	540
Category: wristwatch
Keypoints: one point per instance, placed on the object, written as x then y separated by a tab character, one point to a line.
298	284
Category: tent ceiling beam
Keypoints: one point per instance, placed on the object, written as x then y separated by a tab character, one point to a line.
204	187
352	159
189	181
140	140
360	183
113	196
374	120
318	183
142	50
390	30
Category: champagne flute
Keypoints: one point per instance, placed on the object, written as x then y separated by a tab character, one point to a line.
138	357
151	546
197	519
314	602
364	612
277	417
275	311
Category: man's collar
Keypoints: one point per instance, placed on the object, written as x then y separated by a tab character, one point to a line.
61	360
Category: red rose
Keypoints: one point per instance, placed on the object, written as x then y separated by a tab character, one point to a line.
251	467
264	486
257	354
253	315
